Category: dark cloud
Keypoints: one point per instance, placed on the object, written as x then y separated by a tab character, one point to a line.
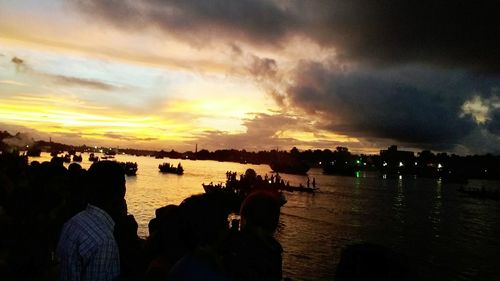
74	81
265	132
459	34
21	65
263	67
413	104
121	137
17	61
456	34
194	20
493	125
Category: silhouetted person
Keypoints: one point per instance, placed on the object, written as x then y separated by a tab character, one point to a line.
87	248
204	229
164	244
255	254
132	258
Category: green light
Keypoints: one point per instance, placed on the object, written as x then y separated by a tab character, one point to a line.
358	162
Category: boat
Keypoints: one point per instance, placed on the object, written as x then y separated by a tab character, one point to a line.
67	158
77	158
93	158
169	168
110	152
250	181
130	168
211	187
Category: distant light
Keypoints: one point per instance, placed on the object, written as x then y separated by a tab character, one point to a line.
320	162
400	177
485	171
416	163
401	164
100	150
385	164
440	166
95	147
357	161
27	146
364	164
270	182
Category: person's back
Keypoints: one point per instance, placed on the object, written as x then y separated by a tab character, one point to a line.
87	248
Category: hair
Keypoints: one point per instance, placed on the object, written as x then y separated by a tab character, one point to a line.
261	209
106	181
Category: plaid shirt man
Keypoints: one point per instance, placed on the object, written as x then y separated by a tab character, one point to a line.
87	248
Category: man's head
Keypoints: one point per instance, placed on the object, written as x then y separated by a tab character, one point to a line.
261	209
106	187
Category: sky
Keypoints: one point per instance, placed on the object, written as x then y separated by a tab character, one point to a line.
252	74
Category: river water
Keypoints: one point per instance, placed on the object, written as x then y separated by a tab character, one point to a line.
445	235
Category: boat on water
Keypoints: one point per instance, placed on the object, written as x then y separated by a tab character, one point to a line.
93	158
77	158
169	168
251	181
67	158
130	168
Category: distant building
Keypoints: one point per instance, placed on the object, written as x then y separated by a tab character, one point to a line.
397	161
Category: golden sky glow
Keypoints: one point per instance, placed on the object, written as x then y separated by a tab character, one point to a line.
80	83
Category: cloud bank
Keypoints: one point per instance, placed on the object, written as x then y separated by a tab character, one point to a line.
424	74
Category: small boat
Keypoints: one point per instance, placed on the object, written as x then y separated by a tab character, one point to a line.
211	187
130	168
67	158
77	158
169	168
93	158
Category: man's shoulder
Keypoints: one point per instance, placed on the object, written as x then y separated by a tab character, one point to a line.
86	226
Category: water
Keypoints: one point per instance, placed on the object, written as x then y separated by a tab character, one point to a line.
447	236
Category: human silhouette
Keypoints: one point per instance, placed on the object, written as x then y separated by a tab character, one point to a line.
87	248
256	254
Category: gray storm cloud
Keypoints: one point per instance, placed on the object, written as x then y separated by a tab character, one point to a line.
459	34
414	104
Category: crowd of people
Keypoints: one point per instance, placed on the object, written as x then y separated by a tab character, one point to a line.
72	224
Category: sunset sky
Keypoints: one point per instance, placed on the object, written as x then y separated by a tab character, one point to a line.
253	74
